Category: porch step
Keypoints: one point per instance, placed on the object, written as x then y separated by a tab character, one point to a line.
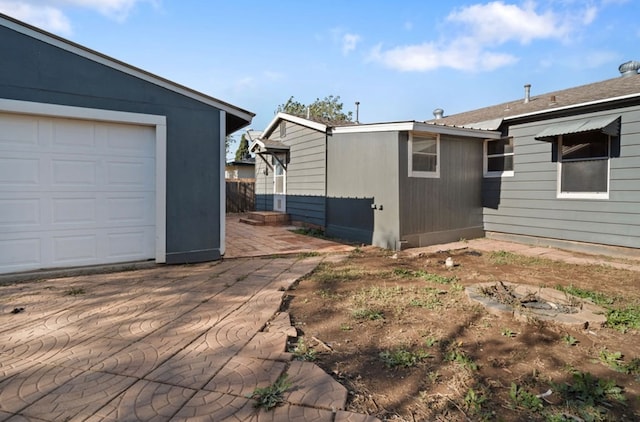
266	218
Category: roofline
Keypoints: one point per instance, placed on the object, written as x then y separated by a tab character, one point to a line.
569	107
293	119
49	38
415	126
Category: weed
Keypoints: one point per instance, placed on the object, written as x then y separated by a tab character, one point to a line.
473	401
307	231
327	294
461	358
508	258
345	327
624	319
403	358
370	314
507	332
434	278
569	340
310	254
75	291
271	396
302	351
430	341
615	362
588	390
595	297
523	399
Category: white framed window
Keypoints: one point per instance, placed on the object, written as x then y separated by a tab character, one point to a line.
498	157
583	165
424	152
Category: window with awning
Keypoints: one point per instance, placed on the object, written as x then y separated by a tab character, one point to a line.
584	148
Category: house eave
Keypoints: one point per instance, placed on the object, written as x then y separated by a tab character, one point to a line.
414	126
572	106
116	64
293	119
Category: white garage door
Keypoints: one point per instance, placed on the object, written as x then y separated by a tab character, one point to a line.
74	192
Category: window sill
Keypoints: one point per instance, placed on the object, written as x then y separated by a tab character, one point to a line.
498	174
583	195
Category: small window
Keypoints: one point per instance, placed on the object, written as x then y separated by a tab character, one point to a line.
584	165
283	129
498	157
423	155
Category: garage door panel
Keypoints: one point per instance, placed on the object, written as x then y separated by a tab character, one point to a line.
18	132
117	142
19	212
73	173
73	134
17	254
128	244
74	211
19	172
74	249
75	192
129	174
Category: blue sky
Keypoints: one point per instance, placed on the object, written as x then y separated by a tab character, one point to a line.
400	60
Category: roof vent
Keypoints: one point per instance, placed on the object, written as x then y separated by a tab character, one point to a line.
438	113
527	93
629	68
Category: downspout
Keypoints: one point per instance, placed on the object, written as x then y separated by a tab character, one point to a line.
223	183
326	176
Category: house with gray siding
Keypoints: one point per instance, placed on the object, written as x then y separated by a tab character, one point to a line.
102	162
559	169
393	184
566	171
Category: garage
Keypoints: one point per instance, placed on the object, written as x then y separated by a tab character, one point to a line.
102	162
76	192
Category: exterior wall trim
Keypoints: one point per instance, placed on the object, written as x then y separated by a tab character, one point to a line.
293	119
81	113
413	126
223	184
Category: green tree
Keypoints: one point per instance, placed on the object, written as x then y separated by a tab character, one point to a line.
243	148
329	109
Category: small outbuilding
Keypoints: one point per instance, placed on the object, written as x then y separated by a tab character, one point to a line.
102	162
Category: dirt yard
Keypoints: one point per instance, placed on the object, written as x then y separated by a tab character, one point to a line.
401	334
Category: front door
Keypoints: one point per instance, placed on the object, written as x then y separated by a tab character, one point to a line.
279	184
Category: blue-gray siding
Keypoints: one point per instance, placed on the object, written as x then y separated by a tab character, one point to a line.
527	203
36	71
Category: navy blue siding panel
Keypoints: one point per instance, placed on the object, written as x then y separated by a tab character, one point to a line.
350	219
35	71
306	208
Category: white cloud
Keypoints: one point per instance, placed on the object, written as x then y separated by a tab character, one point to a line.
497	22
46	17
50	14
481	31
349	43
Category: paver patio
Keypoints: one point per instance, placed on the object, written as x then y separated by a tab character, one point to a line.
165	344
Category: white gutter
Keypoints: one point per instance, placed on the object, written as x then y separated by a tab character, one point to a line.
418	127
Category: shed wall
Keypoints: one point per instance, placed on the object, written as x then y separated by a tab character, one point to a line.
363	172
447	208
36	71
526	204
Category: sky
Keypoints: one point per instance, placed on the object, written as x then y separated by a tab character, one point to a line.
399	59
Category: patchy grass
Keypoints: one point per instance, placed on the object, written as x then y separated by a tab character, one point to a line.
409	346
75	291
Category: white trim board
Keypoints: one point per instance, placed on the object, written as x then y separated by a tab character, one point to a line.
81	113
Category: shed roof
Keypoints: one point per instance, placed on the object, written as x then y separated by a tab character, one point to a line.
237	117
598	92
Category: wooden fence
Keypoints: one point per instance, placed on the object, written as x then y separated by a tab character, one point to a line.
241	195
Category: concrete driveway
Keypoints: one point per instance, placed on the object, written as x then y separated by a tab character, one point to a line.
169	343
